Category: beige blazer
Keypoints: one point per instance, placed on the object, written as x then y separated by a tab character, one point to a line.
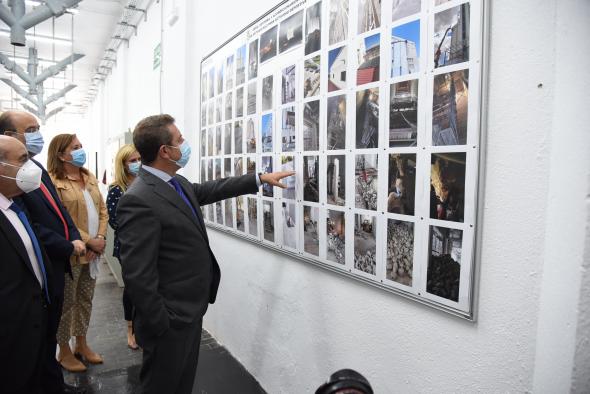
73	200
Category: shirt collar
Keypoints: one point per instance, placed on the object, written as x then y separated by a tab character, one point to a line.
159	173
5	203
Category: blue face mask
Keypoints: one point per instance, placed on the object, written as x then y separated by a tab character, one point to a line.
134	167
34	142
78	157
185	151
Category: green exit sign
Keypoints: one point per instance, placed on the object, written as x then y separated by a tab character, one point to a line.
157	55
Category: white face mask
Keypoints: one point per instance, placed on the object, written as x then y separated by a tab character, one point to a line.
28	177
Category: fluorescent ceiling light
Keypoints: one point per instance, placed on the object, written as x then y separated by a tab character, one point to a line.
39	38
38	3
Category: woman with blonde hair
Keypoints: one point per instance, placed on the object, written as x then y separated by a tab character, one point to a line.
127	164
79	193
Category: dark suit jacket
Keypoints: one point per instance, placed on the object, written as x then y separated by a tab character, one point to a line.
23	314
48	224
168	267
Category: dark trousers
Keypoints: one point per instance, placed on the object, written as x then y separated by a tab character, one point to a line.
52	377
170	360
127	306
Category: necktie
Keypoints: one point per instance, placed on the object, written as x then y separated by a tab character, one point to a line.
176	185
23	218
53	204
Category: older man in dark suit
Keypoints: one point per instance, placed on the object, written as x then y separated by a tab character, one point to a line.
25	277
168	267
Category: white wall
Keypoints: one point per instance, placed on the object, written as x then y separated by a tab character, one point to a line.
292	324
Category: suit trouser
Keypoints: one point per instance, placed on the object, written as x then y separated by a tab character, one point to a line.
78	293
170	360
52	378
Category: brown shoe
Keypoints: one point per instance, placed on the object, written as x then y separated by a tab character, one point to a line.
72	364
88	355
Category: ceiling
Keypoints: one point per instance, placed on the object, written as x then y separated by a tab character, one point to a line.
93	27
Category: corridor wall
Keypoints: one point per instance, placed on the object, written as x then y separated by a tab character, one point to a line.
292	324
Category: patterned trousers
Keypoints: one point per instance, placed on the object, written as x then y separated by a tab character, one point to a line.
77	307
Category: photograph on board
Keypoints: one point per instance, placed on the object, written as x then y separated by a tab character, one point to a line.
239	102
210	175
219	212
251	165
204	87
444	262
365	249
218	109
336	237
252	216
311	125
266	130
368	59
369	15
289	225
203	115
337	69
203	171
336	179
203	141
229	72
268	220
218	138
251	135
267	189
311	83
229	213
291	32
241	65
210	212
217	168
210	144
401	186
288	164
367	118
403	8
450	108
288	129
405	49
238	166
311	182
238	136
313	28
251	106
288	84
399	265
403	114
451	36
227	167
267	93
211	84
229	106
447	186
227	139
211	112
268	44
240	213
220	72
336	133
338	21
253	59
311	237
366	172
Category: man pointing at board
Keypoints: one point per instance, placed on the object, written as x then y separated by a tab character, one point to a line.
168	267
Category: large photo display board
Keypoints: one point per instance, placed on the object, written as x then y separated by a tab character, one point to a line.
377	107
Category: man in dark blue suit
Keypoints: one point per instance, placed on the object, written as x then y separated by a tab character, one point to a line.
56	231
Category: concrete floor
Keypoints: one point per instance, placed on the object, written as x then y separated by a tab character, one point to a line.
218	371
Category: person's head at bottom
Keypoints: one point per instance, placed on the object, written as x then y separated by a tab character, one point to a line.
345	381
160	144
18	175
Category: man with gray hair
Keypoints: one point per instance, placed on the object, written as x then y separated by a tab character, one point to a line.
25	277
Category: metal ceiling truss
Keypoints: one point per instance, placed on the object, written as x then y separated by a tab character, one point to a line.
19	22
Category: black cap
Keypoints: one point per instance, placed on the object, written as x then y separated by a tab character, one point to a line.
345	379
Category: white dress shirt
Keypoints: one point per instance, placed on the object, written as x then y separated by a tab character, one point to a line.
13	218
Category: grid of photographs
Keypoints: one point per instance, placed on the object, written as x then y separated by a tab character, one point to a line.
375	105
